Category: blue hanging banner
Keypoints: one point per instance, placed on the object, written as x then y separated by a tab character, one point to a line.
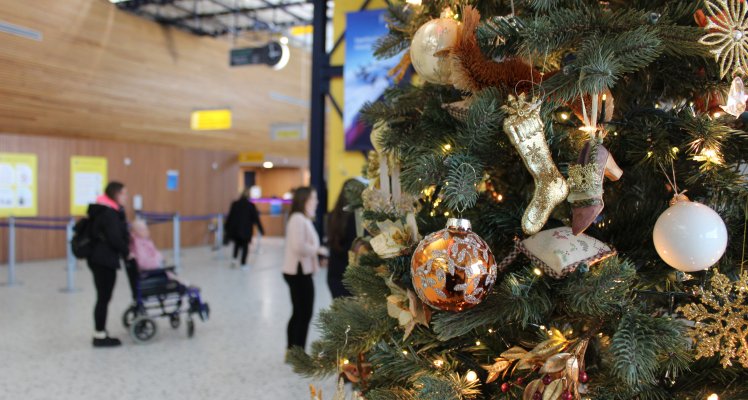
365	77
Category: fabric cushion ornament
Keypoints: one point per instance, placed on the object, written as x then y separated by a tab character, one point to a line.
558	252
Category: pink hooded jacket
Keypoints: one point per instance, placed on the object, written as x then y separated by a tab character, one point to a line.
145	252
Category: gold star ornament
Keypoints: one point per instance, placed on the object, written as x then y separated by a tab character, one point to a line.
727	35
721	320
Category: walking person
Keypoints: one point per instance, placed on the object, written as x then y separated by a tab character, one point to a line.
110	240
341	232
300	262
239	227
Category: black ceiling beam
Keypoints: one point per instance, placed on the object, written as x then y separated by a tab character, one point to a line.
244	10
284	10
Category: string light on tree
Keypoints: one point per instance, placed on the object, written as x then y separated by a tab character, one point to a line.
471	376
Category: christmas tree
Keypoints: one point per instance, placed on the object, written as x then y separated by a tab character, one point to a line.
555	140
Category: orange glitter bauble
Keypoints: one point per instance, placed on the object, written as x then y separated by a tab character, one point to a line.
453	269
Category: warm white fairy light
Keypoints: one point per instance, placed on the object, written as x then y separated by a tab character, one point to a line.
414	2
405	352
713	396
438	363
564	116
709	155
471	376
537	271
447	147
477	342
346	362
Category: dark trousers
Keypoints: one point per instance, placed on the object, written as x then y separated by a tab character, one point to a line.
302	298
104	279
243	245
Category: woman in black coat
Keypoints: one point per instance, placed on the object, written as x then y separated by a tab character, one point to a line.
341	232
110	245
239	226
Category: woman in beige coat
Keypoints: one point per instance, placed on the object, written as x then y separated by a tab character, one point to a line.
300	262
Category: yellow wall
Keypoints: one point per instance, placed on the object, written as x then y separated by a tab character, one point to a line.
341	164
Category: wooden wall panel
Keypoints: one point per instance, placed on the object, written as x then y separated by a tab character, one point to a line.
103	73
277	181
202	189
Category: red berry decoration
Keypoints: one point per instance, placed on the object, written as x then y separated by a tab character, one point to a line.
520	381
547	380
567	396
505	387
537	396
583	377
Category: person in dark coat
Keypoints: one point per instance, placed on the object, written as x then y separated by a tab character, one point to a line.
239	226
341	232
110	245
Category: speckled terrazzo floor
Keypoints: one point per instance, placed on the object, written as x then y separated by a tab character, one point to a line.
45	337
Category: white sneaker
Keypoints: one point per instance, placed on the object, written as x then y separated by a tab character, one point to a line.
244	267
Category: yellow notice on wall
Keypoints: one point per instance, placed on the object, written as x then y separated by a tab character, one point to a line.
88	177
210	120
18	196
249	157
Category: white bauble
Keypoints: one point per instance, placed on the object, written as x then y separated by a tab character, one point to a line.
433	37
690	236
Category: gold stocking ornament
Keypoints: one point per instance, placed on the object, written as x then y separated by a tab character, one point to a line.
524	128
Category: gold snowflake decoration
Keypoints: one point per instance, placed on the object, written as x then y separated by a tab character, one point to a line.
728	30
721	320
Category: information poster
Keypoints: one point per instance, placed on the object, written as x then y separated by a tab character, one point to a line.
88	177
365	77
18	196
172	180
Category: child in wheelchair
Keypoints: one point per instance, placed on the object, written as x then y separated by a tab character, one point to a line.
156	287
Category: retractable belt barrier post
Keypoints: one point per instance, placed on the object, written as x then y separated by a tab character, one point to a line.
11	252
177	244
71	261
15	223
218	245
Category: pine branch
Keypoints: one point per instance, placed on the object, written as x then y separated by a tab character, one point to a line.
391	393
460	191
640	343
518	299
363	281
600	292
353	325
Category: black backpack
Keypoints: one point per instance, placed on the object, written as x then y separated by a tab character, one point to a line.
82	242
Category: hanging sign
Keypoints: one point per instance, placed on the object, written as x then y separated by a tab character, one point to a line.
274	54
210	120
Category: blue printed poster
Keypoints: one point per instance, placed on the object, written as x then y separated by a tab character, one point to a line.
365	77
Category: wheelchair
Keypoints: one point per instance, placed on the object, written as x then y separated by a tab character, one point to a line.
155	295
